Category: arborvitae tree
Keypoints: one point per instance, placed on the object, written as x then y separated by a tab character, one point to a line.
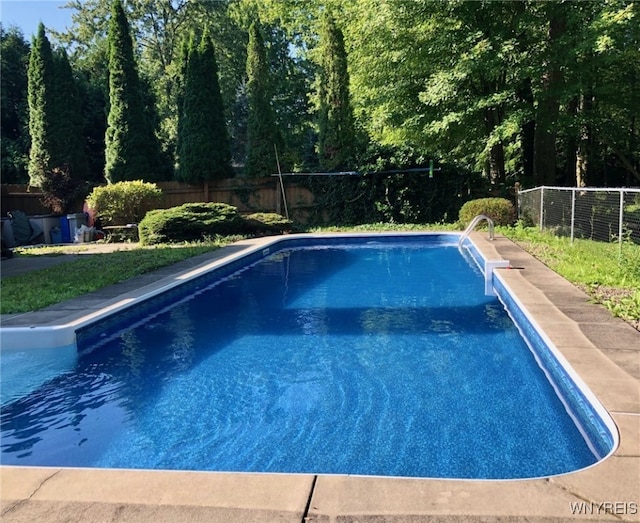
41	98
180	88
262	132
68	122
336	130
55	118
204	151
65	180
14	110
131	148
93	88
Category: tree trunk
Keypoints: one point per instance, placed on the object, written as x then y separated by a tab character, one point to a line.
584	139
581	165
632	147
548	106
525	96
496	153
571	147
496	165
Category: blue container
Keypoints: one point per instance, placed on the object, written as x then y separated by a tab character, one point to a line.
56	235
65	233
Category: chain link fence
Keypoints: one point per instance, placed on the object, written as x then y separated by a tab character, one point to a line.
596	214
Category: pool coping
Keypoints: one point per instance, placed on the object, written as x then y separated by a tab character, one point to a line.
597	346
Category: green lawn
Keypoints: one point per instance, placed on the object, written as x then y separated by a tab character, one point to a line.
90	272
608	272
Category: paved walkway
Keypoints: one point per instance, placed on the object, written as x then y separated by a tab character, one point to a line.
604	351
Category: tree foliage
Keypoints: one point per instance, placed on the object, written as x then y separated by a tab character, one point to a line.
68	118
263	137
14	110
55	121
204	151
336	133
522	91
535	92
41	104
131	147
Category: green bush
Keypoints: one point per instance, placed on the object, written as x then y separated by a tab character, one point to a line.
265	223
124	202
500	210
189	222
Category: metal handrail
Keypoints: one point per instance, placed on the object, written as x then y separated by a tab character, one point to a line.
472	225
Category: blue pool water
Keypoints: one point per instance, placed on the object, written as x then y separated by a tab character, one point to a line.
374	359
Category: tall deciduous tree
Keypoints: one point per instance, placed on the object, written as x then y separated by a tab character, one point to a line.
262	133
336	131
131	147
611	102
204	151
548	101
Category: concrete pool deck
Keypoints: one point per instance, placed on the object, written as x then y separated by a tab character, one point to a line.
604	351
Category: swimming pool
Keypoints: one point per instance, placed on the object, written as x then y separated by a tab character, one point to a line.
362	355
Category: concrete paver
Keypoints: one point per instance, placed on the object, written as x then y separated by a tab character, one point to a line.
603	351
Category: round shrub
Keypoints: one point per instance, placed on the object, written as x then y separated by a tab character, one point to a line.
124	202
189	222
265	223
500	210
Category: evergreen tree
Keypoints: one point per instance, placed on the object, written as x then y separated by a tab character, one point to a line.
336	130
14	110
93	88
262	133
204	151
131	148
55	118
67	124
41	102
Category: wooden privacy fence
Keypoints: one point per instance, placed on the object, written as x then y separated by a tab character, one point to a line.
247	194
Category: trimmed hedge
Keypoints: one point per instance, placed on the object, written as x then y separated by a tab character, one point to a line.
190	222
266	223
198	221
124	202
500	210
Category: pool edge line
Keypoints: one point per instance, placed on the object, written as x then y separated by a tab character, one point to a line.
565	367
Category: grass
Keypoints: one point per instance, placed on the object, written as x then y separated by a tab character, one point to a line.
90	272
608	272
389	227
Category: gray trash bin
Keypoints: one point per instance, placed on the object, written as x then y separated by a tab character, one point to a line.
46	222
75	221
